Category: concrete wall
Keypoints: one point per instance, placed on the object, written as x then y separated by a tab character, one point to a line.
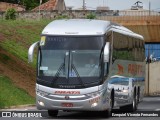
100	14
70	13
154	79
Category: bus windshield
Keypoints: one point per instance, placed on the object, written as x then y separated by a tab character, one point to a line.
73	59
86	63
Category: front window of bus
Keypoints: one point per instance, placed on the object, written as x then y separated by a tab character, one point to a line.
70	60
86	62
51	61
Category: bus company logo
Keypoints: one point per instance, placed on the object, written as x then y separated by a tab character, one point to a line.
68	92
67	97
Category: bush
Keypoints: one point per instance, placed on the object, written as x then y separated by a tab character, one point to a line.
91	16
62	17
10	14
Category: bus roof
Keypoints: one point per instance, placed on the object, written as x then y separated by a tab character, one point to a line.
85	27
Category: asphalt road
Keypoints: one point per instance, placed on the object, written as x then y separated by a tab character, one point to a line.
148	104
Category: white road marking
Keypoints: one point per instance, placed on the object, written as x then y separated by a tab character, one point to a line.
20	109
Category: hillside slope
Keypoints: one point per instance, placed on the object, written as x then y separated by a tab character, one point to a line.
15	39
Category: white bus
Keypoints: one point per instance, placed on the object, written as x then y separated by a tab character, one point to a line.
88	65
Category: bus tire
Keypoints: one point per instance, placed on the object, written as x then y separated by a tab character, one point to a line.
53	113
138	95
108	112
131	107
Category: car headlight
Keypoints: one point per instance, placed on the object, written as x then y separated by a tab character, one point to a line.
41	93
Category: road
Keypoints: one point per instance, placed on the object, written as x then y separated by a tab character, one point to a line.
148	104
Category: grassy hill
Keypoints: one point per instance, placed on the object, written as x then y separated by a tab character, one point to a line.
11	95
16	36
15	39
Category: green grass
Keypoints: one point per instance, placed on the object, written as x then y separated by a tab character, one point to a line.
10	95
18	35
15	37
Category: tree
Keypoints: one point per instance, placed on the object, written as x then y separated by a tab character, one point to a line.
29	4
10	1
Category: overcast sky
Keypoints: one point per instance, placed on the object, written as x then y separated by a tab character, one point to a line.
113	4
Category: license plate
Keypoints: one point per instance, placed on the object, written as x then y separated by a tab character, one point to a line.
67	104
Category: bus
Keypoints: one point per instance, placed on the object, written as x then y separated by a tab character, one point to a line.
88	65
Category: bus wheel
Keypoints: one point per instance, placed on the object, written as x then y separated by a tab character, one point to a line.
133	107
135	103
138	96
107	113
53	113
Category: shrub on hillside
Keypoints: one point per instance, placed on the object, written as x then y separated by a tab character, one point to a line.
10	14
62	17
91	16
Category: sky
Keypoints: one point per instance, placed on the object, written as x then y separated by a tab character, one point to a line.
113	4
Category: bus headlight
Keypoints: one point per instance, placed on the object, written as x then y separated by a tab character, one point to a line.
41	93
94	104
41	103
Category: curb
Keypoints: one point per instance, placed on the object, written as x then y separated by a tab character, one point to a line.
19	106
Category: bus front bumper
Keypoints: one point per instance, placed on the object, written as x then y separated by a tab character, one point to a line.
92	104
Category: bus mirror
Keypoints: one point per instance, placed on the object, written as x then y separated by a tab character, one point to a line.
106	52
31	51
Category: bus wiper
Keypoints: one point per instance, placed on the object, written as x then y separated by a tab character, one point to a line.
58	72
79	78
62	66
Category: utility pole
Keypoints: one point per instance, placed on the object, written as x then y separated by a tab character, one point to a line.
148	68
84	4
149	8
